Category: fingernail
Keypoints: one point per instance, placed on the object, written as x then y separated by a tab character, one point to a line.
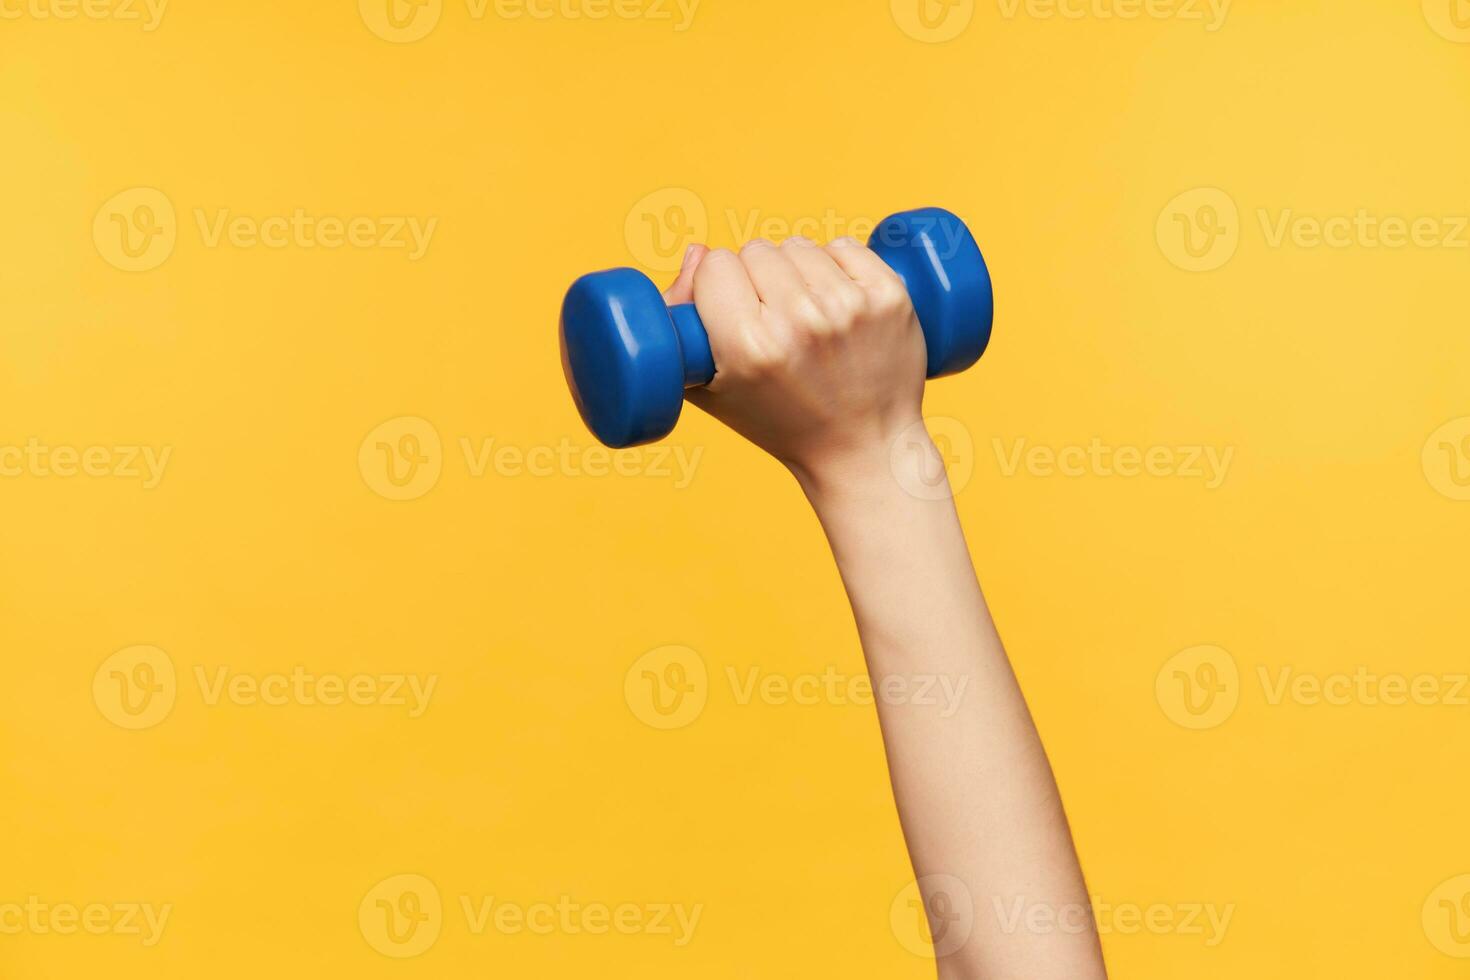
688	257
800	240
845	241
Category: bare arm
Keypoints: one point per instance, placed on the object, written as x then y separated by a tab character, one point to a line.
974	789
821	363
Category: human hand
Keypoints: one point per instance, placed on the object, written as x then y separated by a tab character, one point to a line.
820	359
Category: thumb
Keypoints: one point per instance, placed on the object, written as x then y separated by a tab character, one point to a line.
682	291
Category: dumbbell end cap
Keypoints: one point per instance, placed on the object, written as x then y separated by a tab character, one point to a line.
621	357
936	255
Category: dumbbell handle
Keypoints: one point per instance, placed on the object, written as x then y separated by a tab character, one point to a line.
699	362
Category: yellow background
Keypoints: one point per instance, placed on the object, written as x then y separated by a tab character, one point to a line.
531	777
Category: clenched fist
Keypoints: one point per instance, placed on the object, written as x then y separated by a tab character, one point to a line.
821	359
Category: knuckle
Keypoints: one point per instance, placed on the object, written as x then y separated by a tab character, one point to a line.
846	303
760	360
889	294
806	313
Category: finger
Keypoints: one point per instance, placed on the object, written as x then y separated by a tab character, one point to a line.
724	294
841	298
682	290
728	306
859	261
776	279
818	269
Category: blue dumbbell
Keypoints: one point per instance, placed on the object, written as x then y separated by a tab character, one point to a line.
628	356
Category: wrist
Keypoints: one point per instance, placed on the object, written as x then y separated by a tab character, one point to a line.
901	465
858	469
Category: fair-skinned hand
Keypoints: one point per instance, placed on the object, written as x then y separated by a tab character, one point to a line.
820	359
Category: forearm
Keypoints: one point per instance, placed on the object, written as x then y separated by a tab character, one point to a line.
822	358
973	785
